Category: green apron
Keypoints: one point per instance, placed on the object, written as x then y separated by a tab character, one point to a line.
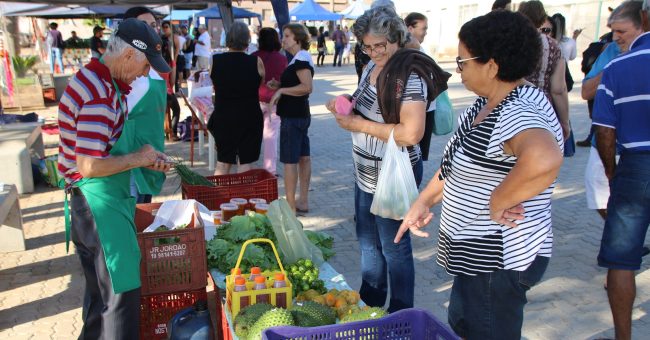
149	116
113	209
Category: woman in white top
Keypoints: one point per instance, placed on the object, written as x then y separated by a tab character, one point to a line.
567	45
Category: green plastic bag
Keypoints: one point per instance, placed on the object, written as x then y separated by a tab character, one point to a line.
444	116
292	241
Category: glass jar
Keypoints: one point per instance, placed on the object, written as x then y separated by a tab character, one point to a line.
228	211
241	203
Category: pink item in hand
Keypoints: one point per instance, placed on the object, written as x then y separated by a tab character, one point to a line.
343	105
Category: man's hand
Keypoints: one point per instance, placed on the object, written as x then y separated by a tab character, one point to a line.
508	216
152	159
416	218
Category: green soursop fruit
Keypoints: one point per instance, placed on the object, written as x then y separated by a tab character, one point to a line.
272	318
366	314
248	316
311	314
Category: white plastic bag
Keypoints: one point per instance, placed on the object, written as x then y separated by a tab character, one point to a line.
292	241
396	189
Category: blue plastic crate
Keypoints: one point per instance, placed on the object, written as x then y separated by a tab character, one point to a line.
413	323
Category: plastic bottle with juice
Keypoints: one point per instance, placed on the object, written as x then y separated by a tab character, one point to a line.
280	282
260	283
240	286
255	272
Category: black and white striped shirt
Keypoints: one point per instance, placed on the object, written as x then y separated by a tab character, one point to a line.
367	150
473	165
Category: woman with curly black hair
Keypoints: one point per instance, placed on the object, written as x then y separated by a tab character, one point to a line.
495	181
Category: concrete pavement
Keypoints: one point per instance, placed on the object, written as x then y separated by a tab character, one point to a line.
41	288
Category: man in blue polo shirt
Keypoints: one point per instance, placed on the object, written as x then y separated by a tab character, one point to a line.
622	119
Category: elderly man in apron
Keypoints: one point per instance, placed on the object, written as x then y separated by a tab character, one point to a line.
97	151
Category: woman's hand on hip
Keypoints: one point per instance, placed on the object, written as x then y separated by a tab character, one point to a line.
508	217
416	218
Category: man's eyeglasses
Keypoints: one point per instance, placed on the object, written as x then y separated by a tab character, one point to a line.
460	62
546	30
377	48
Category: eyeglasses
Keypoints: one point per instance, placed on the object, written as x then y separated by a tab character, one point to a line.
460	62
377	48
546	30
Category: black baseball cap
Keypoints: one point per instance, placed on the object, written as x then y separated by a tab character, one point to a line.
144	39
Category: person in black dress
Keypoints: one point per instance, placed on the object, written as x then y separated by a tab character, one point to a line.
292	98
237	121
322	49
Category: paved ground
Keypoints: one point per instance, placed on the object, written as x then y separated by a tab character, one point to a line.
41	288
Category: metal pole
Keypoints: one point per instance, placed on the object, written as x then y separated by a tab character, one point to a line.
600	9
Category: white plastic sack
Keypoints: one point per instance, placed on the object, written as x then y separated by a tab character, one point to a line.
396	189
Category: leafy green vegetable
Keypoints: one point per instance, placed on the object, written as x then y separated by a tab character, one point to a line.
223	250
323	241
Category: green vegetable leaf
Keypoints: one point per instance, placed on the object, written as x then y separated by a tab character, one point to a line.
241	229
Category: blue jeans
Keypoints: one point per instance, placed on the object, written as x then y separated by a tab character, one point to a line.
56	56
628	214
491	305
338	53
383	261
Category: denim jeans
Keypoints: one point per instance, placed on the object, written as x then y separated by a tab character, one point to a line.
384	262
628	214
491	305
56	56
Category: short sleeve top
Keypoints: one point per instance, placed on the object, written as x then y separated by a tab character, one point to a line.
474	164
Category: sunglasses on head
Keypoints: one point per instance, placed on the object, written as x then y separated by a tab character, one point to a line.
546	30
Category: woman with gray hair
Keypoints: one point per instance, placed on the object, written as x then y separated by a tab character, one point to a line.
395	88
237	122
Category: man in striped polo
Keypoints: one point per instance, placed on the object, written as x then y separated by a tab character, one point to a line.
622	119
97	150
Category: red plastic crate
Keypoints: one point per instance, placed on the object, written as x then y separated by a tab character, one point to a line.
223	331
156	310
172	261
257	183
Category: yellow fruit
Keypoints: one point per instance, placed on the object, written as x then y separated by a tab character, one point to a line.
334	291
340	302
320	299
330	299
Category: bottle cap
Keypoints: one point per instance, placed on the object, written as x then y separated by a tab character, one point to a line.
236	271
240	281
278	277
256	270
260	279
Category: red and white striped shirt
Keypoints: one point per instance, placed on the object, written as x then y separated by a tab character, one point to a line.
90	117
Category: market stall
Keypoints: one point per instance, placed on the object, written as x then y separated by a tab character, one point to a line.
270	272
